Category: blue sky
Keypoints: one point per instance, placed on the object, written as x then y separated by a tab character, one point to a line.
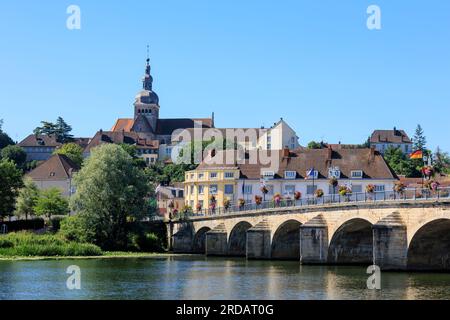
314	63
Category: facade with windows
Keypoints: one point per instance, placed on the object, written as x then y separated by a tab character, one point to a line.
303	171
202	184
382	140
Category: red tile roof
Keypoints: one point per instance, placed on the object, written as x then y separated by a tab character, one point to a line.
368	160
389	136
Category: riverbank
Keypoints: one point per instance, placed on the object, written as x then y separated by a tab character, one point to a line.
106	255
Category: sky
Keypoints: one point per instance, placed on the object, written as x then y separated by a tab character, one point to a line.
313	63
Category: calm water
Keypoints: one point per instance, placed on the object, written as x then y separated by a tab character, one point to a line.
187	277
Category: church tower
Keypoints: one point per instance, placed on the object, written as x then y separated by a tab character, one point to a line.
146	105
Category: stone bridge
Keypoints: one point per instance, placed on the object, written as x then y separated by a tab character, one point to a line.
397	235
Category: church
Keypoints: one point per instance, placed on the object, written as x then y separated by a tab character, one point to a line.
151	134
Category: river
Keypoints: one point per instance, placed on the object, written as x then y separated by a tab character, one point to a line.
198	277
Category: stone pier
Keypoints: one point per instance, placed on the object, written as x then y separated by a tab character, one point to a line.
259	241
390	243
314	241
216	241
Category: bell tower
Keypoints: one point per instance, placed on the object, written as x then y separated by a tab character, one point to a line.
147	102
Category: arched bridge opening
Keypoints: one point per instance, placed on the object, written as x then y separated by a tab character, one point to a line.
430	247
286	241
352	243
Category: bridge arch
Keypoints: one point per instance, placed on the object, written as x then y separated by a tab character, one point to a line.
352	243
429	248
286	241
199	242
237	240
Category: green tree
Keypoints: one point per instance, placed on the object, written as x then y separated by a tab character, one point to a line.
5	140
26	201
315	145
10	183
111	190
50	203
132	151
63	130
15	154
72	151
419	140
400	163
47	128
60	129
441	161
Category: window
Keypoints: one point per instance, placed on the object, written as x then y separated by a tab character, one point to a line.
229	175
201	176
290	174
289	190
213	189
200	202
332	190
268	174
201	189
311	189
229	189
379	188
213	175
248	189
334	173
357	174
180	194
192	176
269	146
357	188
192	189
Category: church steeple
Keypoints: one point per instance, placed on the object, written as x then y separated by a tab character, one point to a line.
147	81
146	105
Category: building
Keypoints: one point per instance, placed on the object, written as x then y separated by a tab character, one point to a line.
354	168
56	172
147	149
41	147
167	196
384	139
277	137
147	124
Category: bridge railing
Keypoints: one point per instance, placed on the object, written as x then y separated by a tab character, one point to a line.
380	196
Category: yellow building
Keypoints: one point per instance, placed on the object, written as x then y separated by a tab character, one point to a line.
201	184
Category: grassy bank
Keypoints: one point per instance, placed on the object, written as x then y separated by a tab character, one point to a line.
24	244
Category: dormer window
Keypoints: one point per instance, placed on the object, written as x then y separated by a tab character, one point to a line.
357	174
334	173
290	174
268	174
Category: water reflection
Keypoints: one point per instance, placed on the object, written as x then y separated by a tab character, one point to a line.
198	277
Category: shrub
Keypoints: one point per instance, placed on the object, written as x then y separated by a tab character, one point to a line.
146	242
72	229
29	244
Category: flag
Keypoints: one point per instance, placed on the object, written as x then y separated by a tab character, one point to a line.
310	173
416	155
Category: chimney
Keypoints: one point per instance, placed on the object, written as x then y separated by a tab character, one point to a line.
372	154
329	152
286	152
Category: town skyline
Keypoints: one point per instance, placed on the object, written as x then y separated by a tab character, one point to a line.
326	87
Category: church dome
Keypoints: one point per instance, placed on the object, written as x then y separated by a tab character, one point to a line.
147	97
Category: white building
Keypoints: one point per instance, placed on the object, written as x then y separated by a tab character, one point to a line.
56	172
384	139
